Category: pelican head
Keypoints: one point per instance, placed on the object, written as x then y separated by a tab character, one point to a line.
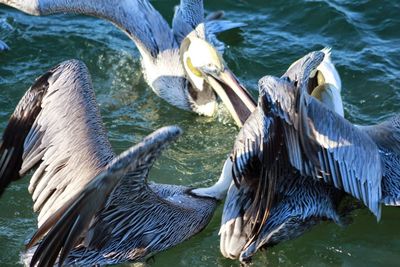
206	70
323	79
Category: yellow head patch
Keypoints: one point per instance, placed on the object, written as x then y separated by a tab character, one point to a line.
203	53
194	70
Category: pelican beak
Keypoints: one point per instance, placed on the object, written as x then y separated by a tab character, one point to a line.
235	97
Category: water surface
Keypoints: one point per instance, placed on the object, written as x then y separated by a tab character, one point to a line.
365	38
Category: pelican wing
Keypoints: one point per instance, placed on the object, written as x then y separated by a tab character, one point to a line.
221	25
257	146
386	134
235	229
241	209
57	128
189	16
137	18
258	163
391	179
65	227
387	137
322	144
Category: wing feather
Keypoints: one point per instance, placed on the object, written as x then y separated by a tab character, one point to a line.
322	144
138	19
59	131
387	137
65	227
258	162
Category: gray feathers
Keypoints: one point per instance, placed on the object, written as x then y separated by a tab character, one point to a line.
72	220
387	137
302	203
391	178
87	196
318	153
320	143
189	16
386	134
66	133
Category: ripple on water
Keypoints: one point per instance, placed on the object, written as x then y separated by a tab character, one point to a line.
363	34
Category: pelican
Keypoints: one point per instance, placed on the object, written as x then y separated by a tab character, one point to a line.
295	158
209	67
158	44
95	207
326	146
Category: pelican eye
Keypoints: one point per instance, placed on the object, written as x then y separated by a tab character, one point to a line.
192	68
211	68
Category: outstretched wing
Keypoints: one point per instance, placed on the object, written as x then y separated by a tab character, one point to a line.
57	128
189	16
322	144
386	135
137	18
66	225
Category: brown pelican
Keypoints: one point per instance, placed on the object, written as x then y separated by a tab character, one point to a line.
288	146
94	207
157	43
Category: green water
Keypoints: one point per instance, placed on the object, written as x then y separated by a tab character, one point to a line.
365	37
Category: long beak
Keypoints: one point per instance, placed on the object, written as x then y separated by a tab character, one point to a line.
235	97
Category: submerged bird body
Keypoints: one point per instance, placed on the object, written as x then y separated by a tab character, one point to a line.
158	44
91	201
